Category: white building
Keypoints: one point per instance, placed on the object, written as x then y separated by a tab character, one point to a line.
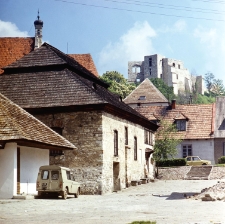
172	72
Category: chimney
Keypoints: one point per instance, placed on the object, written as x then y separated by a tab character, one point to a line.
173	104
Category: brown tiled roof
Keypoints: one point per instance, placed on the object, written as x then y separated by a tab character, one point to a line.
148	91
48	78
200	118
19	126
86	61
14	48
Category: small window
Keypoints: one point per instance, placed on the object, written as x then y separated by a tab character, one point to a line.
179	66
115	143
150	71
138	104
126	136
45	175
68	175
142	98
148	137
135	148
187	150
173	64
150	62
59	131
177	76
181	125
55	175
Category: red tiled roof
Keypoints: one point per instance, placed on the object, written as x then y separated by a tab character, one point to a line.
86	61
14	48
200	118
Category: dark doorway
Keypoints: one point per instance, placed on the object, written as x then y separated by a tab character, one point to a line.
116	179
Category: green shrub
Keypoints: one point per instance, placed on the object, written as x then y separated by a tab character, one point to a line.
221	160
171	162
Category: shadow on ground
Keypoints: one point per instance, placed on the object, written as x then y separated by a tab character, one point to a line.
177	195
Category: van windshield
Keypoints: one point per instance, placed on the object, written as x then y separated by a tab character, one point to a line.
44	174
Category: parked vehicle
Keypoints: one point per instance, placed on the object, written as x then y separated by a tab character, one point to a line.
196	160
56	180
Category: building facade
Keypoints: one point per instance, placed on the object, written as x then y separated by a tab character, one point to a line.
171	71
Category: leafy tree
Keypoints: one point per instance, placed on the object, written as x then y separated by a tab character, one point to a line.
166	141
214	86
166	90
117	83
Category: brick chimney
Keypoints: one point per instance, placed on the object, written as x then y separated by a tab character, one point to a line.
173	104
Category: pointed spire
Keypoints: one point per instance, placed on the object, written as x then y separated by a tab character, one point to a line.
38	15
38	31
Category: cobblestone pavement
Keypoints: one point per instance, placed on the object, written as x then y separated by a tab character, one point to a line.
162	201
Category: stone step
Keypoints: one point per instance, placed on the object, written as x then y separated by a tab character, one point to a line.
198	173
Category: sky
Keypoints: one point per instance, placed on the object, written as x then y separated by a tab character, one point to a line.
117	31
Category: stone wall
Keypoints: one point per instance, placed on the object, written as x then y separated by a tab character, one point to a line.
93	162
218	151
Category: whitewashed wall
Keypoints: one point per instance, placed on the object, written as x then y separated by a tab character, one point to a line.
30	161
202	148
8	170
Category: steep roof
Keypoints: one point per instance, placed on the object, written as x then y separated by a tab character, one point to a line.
19	126
14	48
199	117
145	93
86	61
48	78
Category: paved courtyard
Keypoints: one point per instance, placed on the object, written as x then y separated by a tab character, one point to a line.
161	201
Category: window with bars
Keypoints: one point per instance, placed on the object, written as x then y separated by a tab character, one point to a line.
115	143
56	152
148	137
135	148
126	135
181	125
187	150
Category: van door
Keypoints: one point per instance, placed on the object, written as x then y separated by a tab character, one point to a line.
54	181
44	182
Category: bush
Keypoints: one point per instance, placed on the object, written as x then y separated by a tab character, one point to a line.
221	160
171	162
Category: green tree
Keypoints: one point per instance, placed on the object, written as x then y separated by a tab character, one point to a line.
166	141
166	90
117	83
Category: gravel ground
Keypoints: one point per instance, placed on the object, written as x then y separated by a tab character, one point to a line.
163	201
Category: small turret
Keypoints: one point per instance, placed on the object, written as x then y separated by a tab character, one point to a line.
38	24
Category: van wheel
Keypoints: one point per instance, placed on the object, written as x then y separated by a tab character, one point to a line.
64	194
77	194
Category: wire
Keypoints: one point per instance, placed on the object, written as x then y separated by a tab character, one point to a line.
159	5
129	10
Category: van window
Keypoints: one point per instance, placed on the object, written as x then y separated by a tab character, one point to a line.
44	174
55	175
68	175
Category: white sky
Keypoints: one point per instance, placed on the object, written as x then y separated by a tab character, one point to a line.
116	31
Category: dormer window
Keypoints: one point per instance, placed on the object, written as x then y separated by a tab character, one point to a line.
142	98
181	125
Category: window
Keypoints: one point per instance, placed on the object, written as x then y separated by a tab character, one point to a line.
177	76
173	64
148	137
115	143
56	152
135	148
55	175
181	125
142	98
126	135
44	175
150	71
68	175
179	66
187	150
150	62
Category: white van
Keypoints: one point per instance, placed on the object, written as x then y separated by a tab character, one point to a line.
56	180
